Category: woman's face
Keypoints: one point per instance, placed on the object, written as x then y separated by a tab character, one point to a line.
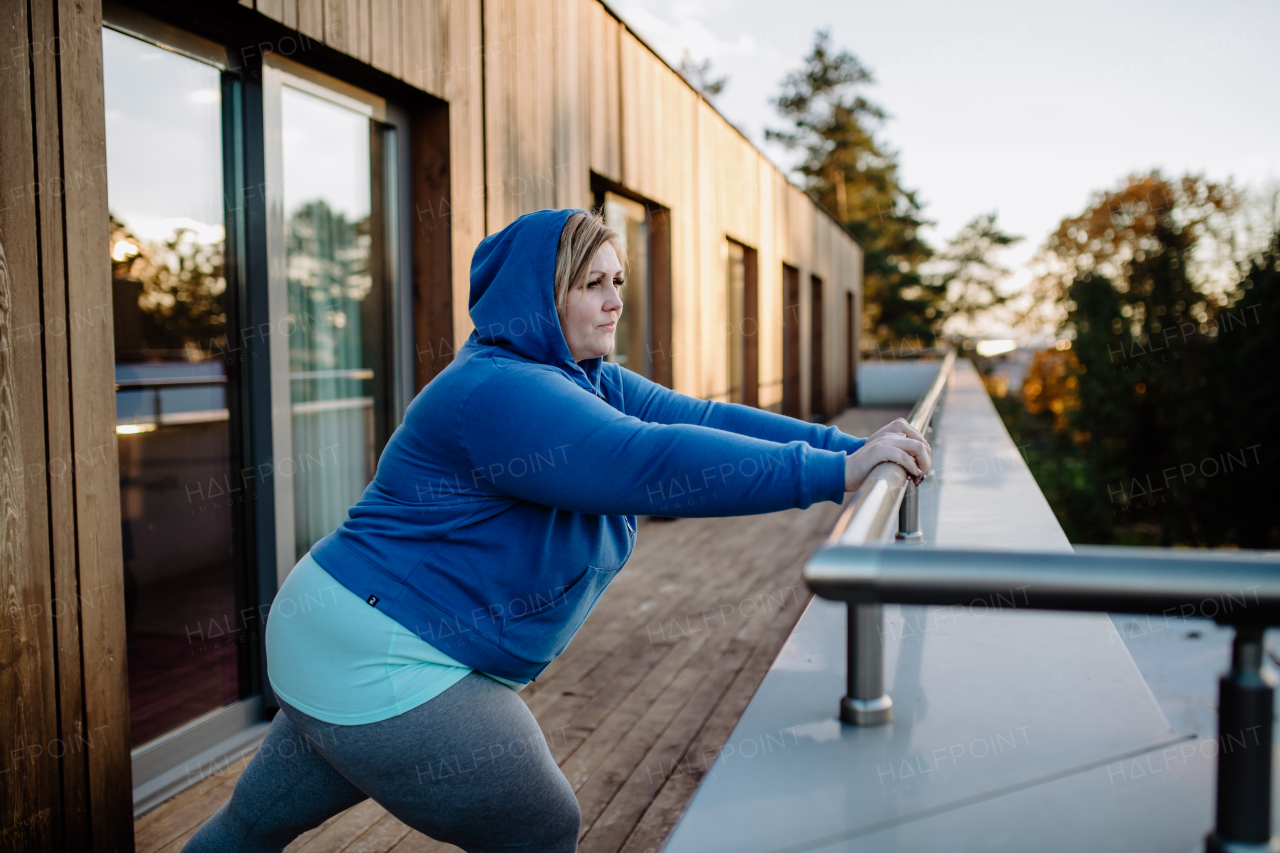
593	306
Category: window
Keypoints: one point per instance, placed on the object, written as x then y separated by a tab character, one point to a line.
644	337
178	480
790	341
850	350
741	324
327	152
736	286
817	351
254	390
634	333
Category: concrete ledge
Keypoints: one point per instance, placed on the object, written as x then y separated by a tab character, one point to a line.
1007	722
895	383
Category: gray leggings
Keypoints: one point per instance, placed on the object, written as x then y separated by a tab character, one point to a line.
469	767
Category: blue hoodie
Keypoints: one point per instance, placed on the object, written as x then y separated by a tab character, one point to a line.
505	502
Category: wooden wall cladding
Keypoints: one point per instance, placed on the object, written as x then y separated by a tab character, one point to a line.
539	90
571	140
458	75
65	783
769	329
600	34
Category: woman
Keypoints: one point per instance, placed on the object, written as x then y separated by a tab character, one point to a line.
501	509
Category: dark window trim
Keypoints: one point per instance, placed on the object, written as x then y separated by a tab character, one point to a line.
791	298
851	348
661	340
817	350
750	324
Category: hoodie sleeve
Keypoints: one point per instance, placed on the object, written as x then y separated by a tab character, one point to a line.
653	403
536	436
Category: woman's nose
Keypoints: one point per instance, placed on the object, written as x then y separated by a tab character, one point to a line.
614	301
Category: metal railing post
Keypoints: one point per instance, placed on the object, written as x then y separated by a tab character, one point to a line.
865	702
1246	696
909	515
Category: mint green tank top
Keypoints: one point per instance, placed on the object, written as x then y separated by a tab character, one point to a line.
335	658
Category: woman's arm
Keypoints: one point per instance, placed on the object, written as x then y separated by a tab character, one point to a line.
537	437
653	403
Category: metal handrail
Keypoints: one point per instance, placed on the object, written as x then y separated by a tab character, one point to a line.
866	520
1234	588
873	505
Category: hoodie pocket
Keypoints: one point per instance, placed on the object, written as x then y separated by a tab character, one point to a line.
542	634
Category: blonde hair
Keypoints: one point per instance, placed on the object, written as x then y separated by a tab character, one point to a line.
582	237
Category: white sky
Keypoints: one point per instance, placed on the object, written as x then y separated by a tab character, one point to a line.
164	144
326	154
1022	108
164	139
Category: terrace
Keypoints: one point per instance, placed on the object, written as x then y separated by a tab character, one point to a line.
710	644
640	703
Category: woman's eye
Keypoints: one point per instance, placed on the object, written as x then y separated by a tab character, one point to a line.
617	282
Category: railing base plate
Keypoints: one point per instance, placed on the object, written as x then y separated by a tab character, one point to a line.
1214	844
866	712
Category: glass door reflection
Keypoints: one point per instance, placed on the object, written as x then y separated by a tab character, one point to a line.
329	362
178	494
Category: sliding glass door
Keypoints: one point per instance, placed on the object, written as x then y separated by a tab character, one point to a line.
218	499
179	489
328	158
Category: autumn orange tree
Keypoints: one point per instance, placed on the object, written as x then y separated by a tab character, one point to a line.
178	288
1123	428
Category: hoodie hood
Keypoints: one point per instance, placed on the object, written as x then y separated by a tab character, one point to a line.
512	300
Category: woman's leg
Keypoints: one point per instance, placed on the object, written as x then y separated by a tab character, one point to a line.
287	789
470	767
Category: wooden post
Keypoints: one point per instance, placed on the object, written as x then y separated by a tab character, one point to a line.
65	782
432	239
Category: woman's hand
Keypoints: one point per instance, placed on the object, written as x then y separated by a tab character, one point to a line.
901	427
910	451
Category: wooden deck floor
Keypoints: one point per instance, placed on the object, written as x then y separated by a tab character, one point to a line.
639	705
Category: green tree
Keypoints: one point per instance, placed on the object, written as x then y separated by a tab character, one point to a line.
329	279
177	287
699	76
969	272
854	175
1243	501
1164	425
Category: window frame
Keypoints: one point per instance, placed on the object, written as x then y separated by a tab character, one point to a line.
164	766
277	73
159	766
660	358
747	338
